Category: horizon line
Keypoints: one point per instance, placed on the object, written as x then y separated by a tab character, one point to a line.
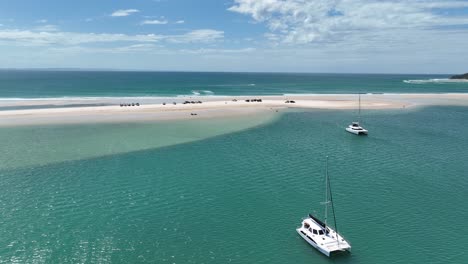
193	71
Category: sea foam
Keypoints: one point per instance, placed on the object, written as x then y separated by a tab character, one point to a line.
201	93
436	81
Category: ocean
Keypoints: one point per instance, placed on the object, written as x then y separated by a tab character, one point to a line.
237	196
59	84
232	190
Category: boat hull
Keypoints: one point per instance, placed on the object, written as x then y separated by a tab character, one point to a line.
356	132
325	239
312	242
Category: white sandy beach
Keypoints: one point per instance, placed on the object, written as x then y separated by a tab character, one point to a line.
152	109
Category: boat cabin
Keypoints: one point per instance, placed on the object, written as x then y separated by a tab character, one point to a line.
314	228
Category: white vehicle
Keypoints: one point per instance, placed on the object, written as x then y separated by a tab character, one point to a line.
319	234
355	128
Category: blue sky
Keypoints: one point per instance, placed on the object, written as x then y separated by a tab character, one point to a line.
402	36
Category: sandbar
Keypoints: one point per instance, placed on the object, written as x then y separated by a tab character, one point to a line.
110	109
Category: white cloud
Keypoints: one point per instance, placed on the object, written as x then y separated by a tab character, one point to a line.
28	37
180	22
41	21
302	22
402	53
217	51
200	35
149	48
60	38
124	12
144	47
134	48
154	22
47	28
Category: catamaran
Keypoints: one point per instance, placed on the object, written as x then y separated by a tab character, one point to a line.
355	128
318	233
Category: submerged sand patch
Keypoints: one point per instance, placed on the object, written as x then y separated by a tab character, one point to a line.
24	146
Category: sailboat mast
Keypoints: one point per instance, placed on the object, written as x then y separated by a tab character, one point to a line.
359	115
333	208
326	191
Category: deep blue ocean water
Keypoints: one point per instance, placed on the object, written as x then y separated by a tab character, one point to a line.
34	84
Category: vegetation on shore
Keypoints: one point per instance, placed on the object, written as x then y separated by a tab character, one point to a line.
461	76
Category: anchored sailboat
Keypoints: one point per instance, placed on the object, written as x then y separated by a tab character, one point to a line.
355	128
319	234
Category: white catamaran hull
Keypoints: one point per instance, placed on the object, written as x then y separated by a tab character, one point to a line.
312	242
356	132
327	244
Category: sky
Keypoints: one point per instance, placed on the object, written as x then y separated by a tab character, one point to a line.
335	36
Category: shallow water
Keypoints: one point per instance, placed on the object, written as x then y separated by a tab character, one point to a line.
400	195
47	106
24	146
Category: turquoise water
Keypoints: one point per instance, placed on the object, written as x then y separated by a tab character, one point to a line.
41	145
400	195
39	84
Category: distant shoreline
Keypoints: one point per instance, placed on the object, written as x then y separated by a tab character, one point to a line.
153	109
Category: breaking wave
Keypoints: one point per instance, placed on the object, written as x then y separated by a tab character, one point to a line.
202	92
435	81
233	85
